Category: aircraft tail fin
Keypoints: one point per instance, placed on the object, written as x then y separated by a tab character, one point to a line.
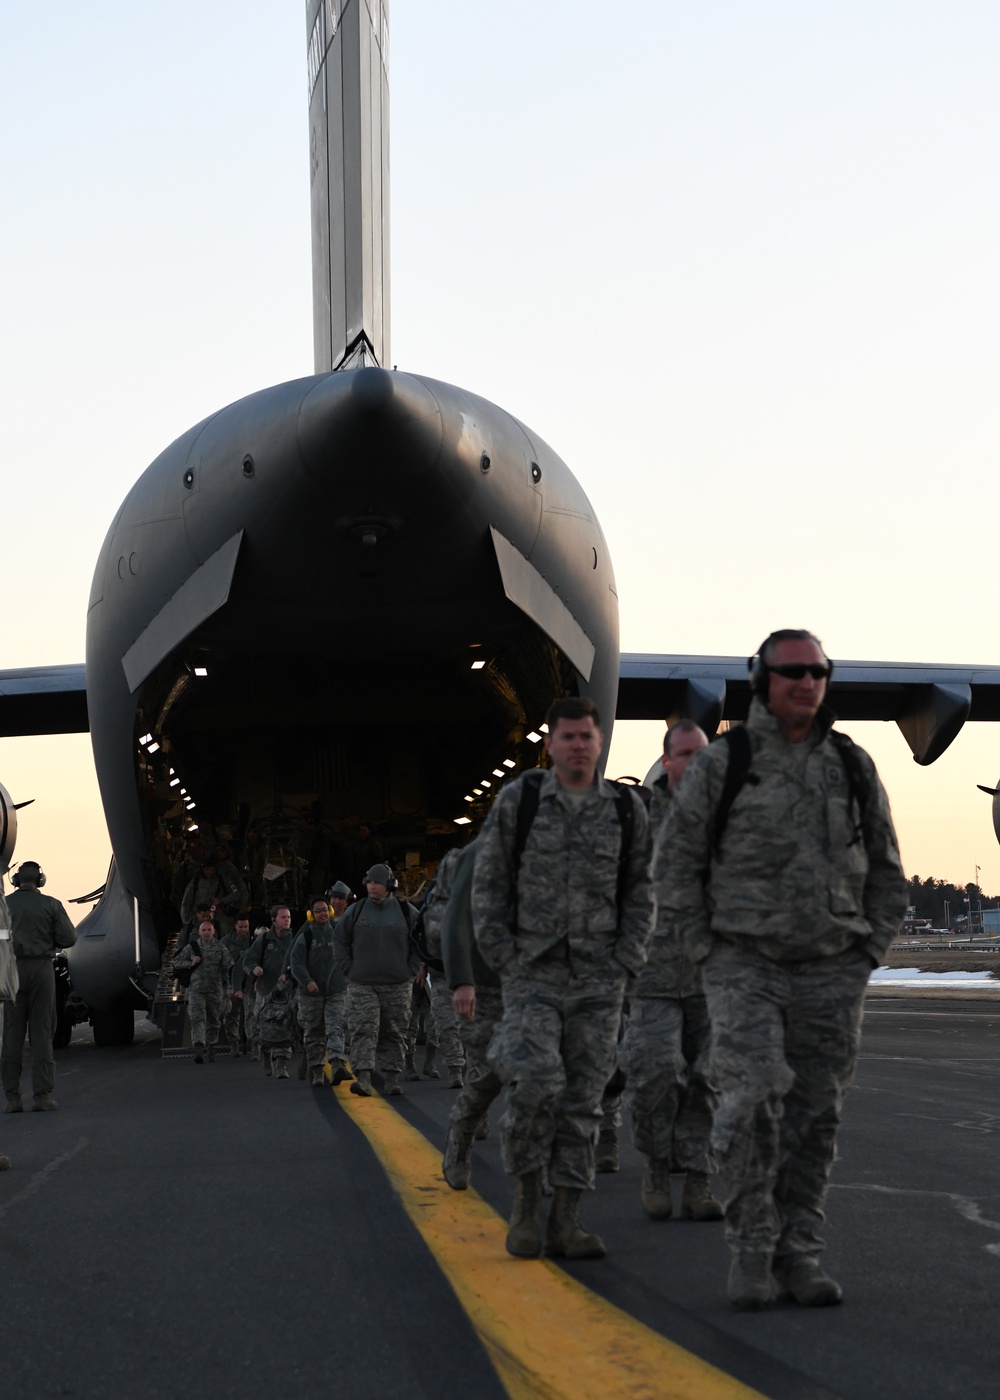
349	174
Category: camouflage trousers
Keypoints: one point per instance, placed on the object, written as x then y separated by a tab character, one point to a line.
555	1050
233	1023
665	1055
446	1028
206	1008
482	1083
250	1004
322	1021
420	1009
378	1017
785	1040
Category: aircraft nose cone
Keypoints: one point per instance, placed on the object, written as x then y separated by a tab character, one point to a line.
374	422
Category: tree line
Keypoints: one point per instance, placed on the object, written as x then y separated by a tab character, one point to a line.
929	897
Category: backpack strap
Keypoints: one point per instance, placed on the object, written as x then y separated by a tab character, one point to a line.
527	808
738	773
858	787
625	805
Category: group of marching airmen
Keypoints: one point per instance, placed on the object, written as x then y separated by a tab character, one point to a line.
702	946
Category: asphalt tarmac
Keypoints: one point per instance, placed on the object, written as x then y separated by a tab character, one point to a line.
204	1231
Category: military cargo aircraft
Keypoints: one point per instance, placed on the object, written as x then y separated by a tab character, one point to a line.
233	676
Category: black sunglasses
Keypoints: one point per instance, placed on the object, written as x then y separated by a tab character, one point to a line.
796	673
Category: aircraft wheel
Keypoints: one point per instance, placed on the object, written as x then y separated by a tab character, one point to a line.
113	1027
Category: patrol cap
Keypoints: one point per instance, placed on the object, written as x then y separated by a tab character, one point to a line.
380	875
339	891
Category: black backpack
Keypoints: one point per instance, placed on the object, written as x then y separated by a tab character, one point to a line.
739	771
527	808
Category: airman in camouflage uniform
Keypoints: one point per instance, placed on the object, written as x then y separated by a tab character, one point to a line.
208	989
264	965
441	1022
665	1048
234	1022
564	922
376	955
478	1006
321	995
790	902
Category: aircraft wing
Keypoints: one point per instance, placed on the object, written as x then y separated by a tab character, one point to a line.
929	703
44	700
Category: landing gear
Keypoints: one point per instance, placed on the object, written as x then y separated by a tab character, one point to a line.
115	1027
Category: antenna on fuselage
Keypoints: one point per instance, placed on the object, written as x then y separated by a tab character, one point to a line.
349	172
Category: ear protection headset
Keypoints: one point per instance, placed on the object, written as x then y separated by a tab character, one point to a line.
15	879
759	672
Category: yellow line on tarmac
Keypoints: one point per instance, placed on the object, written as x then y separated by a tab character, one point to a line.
548	1336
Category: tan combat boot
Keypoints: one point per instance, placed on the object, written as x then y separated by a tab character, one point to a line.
800	1277
339	1072
655	1192
698	1203
410	1070
751	1282
524	1236
430	1063
456	1166
565	1237
606	1156
390	1081
363	1084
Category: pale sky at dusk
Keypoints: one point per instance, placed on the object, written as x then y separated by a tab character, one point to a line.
735	263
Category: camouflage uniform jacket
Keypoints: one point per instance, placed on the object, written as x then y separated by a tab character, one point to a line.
437	901
790	876
216	960
669	970
238	949
566	886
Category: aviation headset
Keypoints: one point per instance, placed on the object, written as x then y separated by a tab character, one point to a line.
15	879
759	671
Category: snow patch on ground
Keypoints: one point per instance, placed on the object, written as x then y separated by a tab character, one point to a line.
913	977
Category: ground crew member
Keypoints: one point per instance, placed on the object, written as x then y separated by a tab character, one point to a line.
40	927
238	943
265	962
478	1005
376	955
321	995
790	899
564	922
665	1049
209	988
